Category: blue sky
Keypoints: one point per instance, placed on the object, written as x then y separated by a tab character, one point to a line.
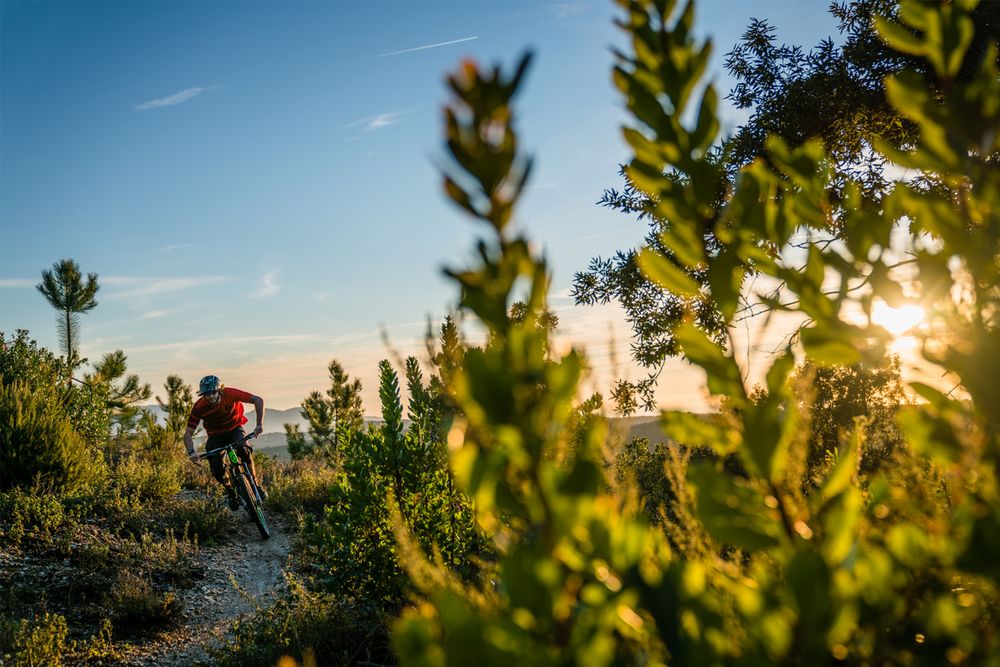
255	183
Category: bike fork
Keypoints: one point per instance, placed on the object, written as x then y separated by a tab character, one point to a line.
253	484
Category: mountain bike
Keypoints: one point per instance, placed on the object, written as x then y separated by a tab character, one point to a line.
244	483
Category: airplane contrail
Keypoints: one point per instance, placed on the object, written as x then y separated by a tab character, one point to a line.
427	46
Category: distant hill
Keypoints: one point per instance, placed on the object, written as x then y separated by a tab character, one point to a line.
621	429
274	420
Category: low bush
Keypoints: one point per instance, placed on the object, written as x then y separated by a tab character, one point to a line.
169	557
148	479
201	520
134	601
121	512
32	514
38	442
43	641
297	485
85	406
39	642
303	624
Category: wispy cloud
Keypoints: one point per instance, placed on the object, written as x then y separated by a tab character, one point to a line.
268	285
154	314
564	10
171	248
176	98
131	287
189	346
425	47
378	121
16	282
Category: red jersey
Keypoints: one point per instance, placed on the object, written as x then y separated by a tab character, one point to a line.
225	415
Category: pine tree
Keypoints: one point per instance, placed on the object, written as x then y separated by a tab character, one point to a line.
122	391
177	406
345	396
66	291
339	411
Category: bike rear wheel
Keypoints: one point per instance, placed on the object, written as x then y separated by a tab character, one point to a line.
245	488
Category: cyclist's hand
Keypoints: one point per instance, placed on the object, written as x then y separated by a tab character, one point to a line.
257	431
193	455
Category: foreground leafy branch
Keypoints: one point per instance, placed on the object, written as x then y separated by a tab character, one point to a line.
895	566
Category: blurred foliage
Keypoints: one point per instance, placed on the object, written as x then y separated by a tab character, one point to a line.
894	565
835	396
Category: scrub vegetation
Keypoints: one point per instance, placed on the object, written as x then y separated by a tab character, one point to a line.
830	515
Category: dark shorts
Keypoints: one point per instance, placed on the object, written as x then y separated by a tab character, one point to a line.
243	450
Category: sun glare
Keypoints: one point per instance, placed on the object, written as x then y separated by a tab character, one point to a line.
896	320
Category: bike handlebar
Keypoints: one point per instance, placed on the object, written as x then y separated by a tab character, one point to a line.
249	436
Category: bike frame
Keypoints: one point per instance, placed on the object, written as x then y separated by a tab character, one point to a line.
239	473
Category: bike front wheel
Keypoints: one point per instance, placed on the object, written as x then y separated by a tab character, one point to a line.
246	491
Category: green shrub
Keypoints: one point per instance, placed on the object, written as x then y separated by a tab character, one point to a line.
32	513
99	649
169	557
38	442
86	406
134	601
390	482
147	478
304	623
41	642
123	513
302	484
200	519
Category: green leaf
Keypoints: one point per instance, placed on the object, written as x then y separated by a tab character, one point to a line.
899	37
847	464
830	346
732	513
699	431
815	268
885	287
927	434
666	274
723	374
778	373
908	543
725	276
840	526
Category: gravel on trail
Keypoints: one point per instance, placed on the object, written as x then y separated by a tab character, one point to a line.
238	578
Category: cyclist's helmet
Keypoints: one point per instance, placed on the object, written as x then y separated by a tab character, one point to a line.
208	384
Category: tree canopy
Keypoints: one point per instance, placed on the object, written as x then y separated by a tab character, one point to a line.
835	92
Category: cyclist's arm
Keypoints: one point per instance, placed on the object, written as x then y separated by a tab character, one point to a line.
258	406
189	442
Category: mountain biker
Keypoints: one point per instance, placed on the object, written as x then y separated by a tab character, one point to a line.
221	410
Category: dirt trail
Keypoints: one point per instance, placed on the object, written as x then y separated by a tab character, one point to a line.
238	577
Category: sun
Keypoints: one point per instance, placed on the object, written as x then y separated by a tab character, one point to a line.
897	320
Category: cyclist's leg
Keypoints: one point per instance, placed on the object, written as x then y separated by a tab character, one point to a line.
245	453
215	462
